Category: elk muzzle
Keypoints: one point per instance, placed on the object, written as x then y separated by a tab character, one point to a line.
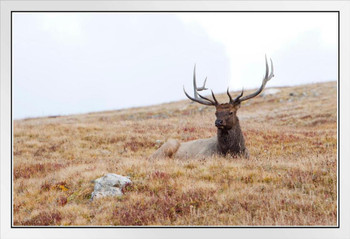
219	123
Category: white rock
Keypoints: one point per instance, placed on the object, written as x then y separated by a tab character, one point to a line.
105	192
159	141
109	185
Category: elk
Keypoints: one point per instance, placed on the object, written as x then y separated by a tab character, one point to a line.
229	139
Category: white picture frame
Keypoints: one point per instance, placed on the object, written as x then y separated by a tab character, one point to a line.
340	231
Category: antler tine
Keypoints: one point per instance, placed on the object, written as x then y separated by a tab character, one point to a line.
195	89
263	84
197	99
207	99
203	87
237	99
228	93
194	83
212	93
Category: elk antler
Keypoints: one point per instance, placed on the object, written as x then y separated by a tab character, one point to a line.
204	100
267	77
235	100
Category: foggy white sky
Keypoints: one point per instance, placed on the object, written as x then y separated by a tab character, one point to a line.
68	63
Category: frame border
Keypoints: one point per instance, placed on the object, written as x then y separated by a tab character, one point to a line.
176	226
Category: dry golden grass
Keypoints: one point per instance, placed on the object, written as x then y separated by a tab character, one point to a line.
290	178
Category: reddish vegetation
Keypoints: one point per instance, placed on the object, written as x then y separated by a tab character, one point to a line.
27	171
44	219
167	205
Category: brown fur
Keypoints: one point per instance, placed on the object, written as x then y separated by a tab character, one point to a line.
167	150
229	139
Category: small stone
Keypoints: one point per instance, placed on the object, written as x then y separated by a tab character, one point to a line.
159	142
109	185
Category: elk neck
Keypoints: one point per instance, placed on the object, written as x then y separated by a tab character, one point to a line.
231	141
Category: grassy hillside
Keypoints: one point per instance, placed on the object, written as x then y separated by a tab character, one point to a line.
290	178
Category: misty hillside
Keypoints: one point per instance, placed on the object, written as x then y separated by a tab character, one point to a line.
290	178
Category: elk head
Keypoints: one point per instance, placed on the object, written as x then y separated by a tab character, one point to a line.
226	117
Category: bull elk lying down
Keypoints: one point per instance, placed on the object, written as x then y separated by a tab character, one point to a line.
229	138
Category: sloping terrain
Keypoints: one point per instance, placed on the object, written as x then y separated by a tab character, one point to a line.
290	178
